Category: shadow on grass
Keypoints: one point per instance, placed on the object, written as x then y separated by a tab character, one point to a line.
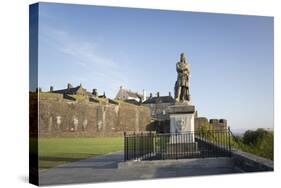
85	161
46	162
63	159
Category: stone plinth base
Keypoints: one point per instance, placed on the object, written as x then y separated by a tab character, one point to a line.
187	137
182	149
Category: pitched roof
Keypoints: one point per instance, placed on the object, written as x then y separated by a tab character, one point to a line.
132	101
128	93
163	99
70	90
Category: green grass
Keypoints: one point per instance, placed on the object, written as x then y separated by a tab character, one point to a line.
258	142
56	151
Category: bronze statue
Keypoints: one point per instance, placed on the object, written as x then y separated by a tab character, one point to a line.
182	83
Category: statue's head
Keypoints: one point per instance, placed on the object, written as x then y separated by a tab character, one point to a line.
182	58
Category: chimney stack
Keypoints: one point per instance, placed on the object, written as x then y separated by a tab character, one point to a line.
150	95
169	93
144	95
51	89
158	94
69	86
95	93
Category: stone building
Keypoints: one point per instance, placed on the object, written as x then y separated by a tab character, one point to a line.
158	106
70	90
130	96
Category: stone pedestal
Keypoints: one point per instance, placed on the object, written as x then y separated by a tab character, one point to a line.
182	127
182	121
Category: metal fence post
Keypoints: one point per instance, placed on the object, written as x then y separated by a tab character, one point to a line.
125	147
229	144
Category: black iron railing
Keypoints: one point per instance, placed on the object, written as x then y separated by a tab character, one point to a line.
195	144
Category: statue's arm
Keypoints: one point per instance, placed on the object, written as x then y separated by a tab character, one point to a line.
177	67
186	68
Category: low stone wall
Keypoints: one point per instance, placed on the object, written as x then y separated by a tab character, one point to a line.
223	162
240	161
250	162
59	117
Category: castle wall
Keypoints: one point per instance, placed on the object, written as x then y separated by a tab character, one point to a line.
217	124
199	122
61	117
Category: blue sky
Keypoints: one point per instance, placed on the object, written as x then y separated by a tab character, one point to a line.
231	56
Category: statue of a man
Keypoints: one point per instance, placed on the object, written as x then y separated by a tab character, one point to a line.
182	83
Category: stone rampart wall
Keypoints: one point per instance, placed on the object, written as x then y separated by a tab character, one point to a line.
62	117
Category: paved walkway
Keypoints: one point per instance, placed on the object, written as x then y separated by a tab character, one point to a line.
105	169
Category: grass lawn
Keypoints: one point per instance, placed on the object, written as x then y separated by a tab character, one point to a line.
56	151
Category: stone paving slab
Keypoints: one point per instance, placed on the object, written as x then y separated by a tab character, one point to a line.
105	169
